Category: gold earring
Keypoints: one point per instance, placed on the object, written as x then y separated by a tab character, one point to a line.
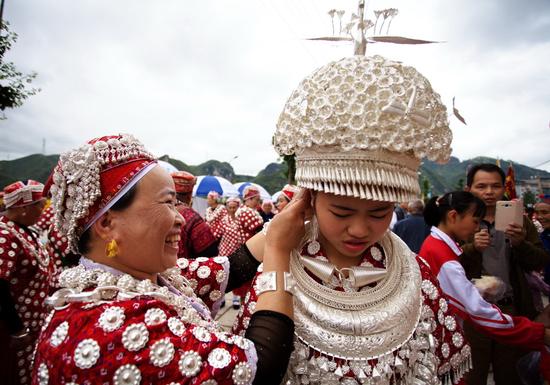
111	250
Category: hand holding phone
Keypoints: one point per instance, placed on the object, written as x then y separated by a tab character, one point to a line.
515	233
508	212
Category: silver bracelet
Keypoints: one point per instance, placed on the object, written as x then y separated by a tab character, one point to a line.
267	281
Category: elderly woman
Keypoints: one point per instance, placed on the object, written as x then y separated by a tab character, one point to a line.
25	275
125	314
228	229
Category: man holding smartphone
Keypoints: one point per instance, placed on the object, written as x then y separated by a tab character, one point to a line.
507	255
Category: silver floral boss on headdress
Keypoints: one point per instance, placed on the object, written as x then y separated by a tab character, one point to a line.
360	126
76	188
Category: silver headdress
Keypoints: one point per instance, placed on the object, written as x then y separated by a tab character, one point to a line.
90	179
360	126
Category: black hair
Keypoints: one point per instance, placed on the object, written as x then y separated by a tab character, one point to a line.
123	203
460	201
487	167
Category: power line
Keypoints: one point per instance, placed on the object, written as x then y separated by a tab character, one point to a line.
292	31
543	163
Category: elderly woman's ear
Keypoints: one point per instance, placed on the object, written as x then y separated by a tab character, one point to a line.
105	227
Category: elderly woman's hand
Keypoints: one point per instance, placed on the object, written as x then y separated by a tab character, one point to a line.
285	230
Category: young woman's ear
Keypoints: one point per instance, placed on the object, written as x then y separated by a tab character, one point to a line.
452	216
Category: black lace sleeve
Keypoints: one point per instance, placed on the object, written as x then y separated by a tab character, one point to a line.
242	268
272	334
210	251
8	314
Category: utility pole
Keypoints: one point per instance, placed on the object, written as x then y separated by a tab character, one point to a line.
1	12
361	43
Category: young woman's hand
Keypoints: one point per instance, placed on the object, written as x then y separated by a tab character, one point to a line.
286	229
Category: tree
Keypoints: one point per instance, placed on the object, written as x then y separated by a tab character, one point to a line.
529	198
426	189
290	161
460	185
14	85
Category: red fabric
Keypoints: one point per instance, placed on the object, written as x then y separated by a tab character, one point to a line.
544	365
184	181
83	324
520	331
250	222
226	229
436	253
289	191
114	175
196	235
29	281
57	245
510	184
251	192
230	235
441	333
20	189
208	278
112	180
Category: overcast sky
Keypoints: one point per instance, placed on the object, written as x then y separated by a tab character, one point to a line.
207	79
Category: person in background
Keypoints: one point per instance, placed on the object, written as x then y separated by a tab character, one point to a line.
508	255
267	210
401	211
215	210
413	229
249	218
250	223
228	230
26	272
455	217
196	239
542	215
286	195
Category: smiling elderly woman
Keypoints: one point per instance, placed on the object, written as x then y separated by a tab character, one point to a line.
126	314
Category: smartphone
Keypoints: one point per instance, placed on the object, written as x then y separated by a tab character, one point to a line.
508	212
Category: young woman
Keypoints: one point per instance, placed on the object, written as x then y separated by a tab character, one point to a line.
286	195
367	310
455	217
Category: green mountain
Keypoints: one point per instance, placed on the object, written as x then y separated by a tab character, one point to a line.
37	167
440	178
452	175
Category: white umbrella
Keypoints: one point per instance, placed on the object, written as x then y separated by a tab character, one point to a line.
207	183
276	196
167	166
241	186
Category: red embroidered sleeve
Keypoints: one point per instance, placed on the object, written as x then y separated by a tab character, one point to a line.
10	250
208	277
452	348
215	221
249	220
135	341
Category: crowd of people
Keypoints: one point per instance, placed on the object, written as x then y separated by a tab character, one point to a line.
108	275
